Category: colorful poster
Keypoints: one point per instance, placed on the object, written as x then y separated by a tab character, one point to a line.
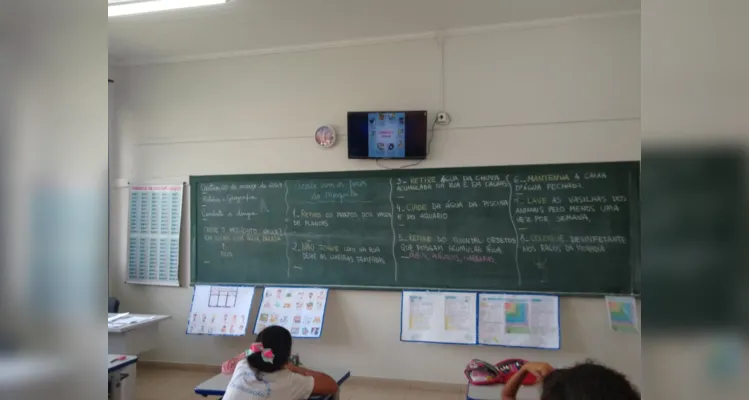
622	314
519	320
387	135
300	310
155	224
220	310
438	317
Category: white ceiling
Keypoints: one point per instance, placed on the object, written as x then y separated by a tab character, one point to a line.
256	25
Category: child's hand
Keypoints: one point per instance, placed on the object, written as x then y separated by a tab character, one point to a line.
228	366
539	369
293	368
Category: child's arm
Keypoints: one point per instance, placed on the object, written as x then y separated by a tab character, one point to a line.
540	369
324	384
229	365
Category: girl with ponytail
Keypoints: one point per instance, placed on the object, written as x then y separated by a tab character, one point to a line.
266	373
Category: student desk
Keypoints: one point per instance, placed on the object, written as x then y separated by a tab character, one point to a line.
216	386
135	338
494	392
117	364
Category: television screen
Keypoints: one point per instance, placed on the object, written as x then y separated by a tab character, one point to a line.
387	134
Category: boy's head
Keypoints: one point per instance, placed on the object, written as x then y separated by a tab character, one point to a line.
588	381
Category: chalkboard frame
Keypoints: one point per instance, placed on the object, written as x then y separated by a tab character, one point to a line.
633	167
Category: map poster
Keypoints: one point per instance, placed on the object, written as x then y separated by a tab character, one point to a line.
622	314
519	320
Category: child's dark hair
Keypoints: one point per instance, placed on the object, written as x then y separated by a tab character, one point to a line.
278	340
588	381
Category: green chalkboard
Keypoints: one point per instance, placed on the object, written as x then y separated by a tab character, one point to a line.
694	237
566	228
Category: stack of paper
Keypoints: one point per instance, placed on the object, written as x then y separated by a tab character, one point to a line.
113	317
129	320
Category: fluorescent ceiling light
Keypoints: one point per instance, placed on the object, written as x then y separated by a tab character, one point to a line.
129	7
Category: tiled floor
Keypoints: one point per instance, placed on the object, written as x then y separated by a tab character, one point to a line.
160	384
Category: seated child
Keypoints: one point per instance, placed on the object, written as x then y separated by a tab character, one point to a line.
266	373
585	381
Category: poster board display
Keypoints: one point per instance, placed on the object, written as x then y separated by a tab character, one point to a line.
301	310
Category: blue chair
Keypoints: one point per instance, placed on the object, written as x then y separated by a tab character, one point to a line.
114	305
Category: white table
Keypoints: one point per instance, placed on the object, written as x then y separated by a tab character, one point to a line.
216	386
118	363
494	392
134	338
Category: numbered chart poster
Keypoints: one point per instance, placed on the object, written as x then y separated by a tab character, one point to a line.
300	310
519	320
438	317
220	310
154	230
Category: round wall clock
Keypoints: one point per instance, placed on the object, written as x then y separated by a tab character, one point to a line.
325	136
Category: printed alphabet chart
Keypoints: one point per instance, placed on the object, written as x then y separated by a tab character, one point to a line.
220	310
300	310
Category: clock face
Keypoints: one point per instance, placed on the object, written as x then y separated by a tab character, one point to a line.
325	136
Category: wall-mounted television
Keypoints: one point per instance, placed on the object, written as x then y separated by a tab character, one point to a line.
387	135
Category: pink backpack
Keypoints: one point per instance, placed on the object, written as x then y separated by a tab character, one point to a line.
482	373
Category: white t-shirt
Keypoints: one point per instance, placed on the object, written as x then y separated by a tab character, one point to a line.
279	385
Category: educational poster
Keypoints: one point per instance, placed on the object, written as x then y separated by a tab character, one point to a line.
387	135
153	245
519	320
220	310
622	314
438	317
300	310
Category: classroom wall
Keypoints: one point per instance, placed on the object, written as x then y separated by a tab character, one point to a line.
547	92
